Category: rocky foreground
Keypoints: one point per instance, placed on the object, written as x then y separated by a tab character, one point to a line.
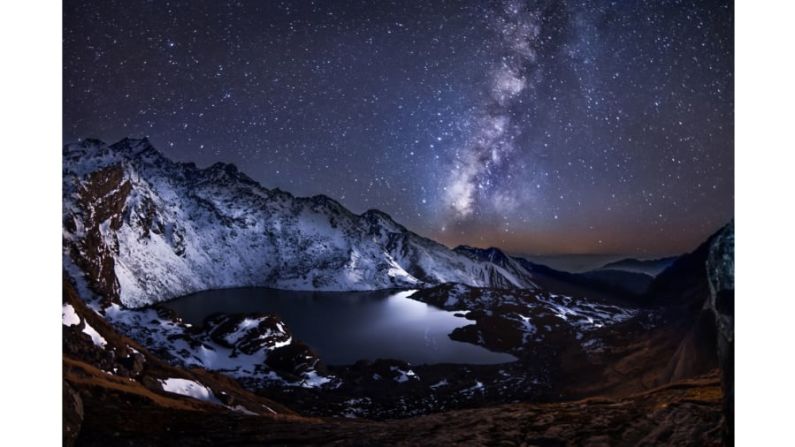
117	392
122	395
683	413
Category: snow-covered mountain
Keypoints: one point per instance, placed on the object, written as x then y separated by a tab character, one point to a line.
504	270
144	229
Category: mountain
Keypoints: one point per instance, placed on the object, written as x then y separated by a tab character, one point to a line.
684	282
501	266
651	267
624	281
683	290
601	284
144	229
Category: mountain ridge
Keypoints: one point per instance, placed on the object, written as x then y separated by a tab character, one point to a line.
144	229
651	267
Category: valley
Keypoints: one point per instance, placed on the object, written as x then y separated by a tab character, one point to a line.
198	294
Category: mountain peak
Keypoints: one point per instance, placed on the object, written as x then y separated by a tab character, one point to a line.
229	168
133	145
375	212
84	145
490	252
383	219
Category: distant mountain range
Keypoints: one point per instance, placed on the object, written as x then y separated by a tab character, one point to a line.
651	267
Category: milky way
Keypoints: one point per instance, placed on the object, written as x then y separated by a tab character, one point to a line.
538	126
492	143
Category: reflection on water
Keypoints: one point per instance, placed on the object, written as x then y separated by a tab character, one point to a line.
343	327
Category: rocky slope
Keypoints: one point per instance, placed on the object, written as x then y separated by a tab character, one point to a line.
720	274
145	229
502	266
609	285
255	349
100	363
697	292
118	392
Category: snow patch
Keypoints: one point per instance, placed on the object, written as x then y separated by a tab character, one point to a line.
314	380
95	337
439	384
69	316
478	386
244	410
190	388
404	376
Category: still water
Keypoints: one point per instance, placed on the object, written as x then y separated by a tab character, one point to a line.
343	327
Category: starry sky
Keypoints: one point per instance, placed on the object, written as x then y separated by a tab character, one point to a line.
541	127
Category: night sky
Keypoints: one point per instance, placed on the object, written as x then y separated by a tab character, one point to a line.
541	127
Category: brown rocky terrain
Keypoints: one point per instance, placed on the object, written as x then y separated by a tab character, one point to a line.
683	413
113	396
123	373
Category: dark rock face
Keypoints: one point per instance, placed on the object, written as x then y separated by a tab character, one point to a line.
294	360
72	414
133	363
682	291
720	271
698	291
684	283
248	333
696	353
101	198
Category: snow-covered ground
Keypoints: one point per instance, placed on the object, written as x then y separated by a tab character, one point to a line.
584	314
95	337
